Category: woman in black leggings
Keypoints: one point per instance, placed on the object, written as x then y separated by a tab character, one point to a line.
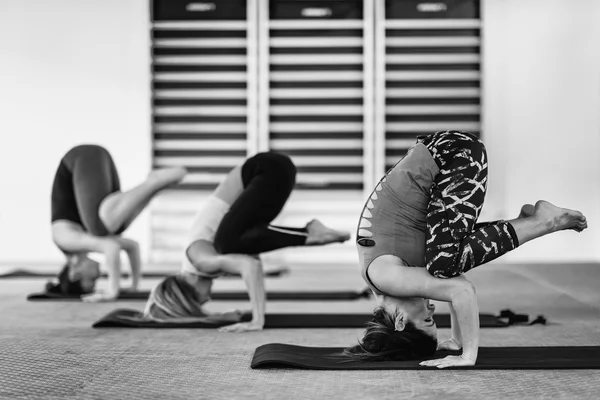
418	234
89	213
232	228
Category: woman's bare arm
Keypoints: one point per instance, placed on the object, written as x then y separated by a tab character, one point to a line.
252	273
112	255
74	240
455	341
391	277
132	249
455	328
203	257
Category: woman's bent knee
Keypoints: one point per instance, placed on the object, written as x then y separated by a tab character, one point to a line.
277	167
88	150
277	162
443	271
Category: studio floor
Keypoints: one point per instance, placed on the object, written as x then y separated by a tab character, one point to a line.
49	350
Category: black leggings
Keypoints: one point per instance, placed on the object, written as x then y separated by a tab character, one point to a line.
86	176
268	180
456	243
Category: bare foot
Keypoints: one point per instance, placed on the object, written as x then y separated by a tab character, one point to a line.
167	176
527	211
320	234
559	218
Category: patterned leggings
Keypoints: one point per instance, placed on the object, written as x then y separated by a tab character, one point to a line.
455	242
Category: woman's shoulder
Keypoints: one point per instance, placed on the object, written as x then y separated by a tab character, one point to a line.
385	268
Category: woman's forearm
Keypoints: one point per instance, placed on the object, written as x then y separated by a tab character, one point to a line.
135	262
132	249
455	328
251	271
253	276
112	253
464	304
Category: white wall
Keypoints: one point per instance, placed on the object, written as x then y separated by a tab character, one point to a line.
71	72
542	116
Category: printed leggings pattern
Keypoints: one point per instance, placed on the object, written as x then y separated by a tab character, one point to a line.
455	242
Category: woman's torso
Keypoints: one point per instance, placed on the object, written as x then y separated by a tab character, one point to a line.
64	203
393	221
204	229
83	164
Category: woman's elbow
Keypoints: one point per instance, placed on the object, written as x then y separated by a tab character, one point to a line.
464	290
250	266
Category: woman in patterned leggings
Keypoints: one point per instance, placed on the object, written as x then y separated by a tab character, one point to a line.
423	213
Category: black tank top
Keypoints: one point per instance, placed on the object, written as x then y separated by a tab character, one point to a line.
64	205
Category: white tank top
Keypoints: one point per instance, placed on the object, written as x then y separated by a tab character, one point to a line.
205	227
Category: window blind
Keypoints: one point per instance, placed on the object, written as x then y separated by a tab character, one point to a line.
428	65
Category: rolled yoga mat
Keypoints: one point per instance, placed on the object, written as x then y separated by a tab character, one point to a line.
274	272
125	318
224	295
276	355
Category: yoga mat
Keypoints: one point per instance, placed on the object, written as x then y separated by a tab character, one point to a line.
25	273
126	318
224	295
45	296
276	355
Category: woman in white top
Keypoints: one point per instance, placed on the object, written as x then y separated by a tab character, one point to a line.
228	234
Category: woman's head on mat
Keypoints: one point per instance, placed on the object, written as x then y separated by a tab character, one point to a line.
416	310
78	276
178	296
401	329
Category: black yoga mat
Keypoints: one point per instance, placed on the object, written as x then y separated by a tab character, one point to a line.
25	273
225	295
45	296
276	355
125	318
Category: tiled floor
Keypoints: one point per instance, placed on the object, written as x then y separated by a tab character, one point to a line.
48	350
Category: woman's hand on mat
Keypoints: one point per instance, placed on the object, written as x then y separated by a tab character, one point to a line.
97	297
450	361
242	327
239	312
451	344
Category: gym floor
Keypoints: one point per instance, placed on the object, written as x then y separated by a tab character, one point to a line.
49	350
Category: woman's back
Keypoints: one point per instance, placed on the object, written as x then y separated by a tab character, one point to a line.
393	220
